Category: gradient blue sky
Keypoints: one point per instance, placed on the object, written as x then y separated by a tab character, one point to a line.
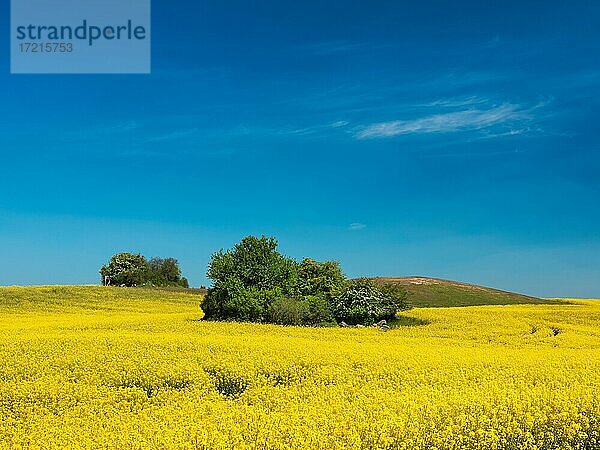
450	139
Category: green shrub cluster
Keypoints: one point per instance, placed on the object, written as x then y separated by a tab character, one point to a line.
254	282
128	269
363	302
310	310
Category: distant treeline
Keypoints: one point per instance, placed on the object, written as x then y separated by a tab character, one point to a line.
129	269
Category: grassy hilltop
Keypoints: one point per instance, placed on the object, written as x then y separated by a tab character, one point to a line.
434	293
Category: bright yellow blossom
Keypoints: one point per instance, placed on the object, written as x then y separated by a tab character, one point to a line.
110	368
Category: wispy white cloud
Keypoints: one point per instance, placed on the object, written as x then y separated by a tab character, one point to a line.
313	129
468	119
339	124
296	131
457	102
489	134
356	226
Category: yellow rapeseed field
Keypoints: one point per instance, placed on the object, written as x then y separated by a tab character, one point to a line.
111	368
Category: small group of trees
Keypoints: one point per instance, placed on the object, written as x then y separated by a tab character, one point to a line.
254	282
129	269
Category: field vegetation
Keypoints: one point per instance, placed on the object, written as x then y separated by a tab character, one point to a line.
254	282
122	368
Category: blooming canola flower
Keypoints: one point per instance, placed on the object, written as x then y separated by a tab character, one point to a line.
117	368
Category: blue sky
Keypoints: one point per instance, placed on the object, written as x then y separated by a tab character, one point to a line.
449	140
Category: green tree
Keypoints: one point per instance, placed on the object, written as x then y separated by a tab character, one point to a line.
165	272
315	278
125	269
255	262
394	298
247	279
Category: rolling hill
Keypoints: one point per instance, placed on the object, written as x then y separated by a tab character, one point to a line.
434	292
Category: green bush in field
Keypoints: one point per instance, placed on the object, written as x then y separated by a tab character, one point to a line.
315	278
248	279
363	302
394	299
254	282
255	262
125	269
312	310
234	301
319	311
288	311
165	272
247	304
128	269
